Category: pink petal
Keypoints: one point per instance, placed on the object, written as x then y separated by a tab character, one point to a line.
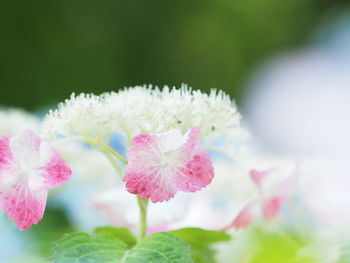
196	174
54	171
244	218
170	140
192	141
5	151
272	206
149	184
258	176
159	165
22	205
28	168
142	172
25	147
198	171
142	146
7	175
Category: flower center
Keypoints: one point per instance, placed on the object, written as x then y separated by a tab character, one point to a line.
169	160
25	171
165	161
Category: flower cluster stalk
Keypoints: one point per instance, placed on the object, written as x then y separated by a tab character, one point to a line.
143	204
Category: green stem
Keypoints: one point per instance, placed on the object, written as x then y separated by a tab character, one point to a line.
109	150
98	144
143	217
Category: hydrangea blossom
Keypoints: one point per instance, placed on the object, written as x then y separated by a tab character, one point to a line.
267	205
160	165
144	109
29	167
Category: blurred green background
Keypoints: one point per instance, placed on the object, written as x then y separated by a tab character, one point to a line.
50	49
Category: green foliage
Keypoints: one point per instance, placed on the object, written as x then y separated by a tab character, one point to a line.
162	248
81	247
121	233
60	46
263	245
54	224
200	241
345	250
106	247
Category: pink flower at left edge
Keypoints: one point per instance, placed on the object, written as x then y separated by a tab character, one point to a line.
162	164
29	167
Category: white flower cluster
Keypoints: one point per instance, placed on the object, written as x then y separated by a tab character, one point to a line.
81	115
144	109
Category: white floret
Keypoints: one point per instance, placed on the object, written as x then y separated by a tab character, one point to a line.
144	109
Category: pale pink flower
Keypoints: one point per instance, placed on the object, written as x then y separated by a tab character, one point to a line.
29	167
160	165
244	218
272	205
258	177
266	205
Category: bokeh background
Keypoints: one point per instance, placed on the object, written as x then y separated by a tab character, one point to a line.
286	63
49	49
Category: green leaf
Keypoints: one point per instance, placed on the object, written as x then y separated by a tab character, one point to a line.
199	237
160	248
81	247
200	241
104	247
121	233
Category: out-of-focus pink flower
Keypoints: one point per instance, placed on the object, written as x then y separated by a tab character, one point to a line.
266	205
258	177
29	167
271	206
160	165
244	218
156	229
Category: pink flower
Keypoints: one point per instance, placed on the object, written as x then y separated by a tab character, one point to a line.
266	207
258	177
28	169
244	218
160	165
271	206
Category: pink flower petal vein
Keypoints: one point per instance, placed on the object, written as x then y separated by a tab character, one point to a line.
160	165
